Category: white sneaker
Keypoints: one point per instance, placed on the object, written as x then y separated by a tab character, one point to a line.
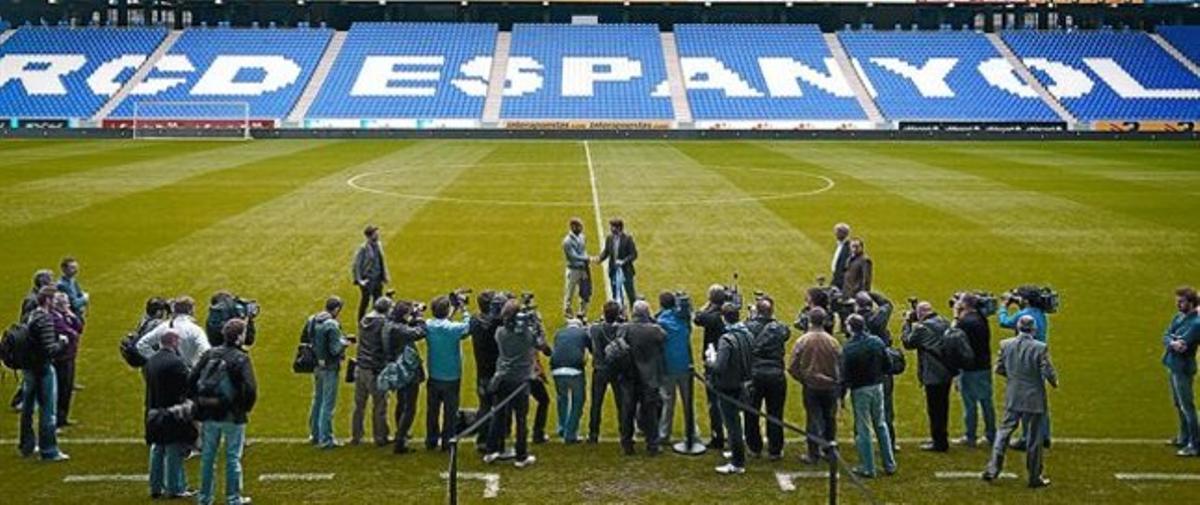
508	454
529	460
491	457
729	469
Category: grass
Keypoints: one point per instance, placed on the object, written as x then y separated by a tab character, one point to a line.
1111	225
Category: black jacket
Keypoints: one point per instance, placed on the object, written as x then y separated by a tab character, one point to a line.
926	337
714	326
483	344
46	344
166	386
599	336
979	336
397	336
241	374
646	340
370	342
626	251
864	362
735	359
877	320
768	342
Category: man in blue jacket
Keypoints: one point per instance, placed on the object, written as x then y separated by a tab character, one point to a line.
570	385
1179	356
444	339
675	318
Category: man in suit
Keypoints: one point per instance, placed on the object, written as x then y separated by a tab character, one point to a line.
620	251
170	435
1025	363
859	269
641	387
841	254
369	271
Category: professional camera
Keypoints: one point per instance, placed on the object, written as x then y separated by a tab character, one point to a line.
1044	298
460	297
832	293
986	303
910	315
732	294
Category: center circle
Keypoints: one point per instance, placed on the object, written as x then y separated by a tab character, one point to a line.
359	183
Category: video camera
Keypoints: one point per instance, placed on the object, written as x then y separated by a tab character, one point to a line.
985	302
833	294
1044	298
460	297
732	293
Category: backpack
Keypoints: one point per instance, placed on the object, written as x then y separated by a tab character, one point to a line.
214	387
619	354
955	353
405	371
129	351
896	361
16	347
306	358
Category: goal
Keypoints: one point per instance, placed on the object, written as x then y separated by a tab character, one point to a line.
191	120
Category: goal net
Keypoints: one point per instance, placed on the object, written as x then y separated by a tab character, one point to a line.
198	120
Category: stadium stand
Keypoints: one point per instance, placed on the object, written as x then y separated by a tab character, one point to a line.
1110	76
410	72
942	76
266	69
781	73
68	73
1185	38
599	72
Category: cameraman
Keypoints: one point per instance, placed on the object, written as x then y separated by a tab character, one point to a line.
516	341
643	400
876	310
443	338
370	361
329	346
923	331
675	318
483	345
403	329
975	384
731	362
193	342
770	382
1030	302
604	374
816	297
710	319
224	306
1179	356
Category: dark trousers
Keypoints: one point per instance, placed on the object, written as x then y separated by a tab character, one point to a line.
518	410
537	389
602	381
1033	442
65	373
772	392
715	419
733	426
486	400
889	409
406	412
441	398
371	292
642	404
937	403
820	413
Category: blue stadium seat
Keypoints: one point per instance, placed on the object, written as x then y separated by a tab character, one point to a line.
415	71
266	69
1185	38
52	72
752	72
586	72
905	69
1110	75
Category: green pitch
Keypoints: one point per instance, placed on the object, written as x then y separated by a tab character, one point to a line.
1113	226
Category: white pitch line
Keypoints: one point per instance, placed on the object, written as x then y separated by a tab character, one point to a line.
969	475
306	477
787	480
491	481
1157	476
587	152
137	477
843	442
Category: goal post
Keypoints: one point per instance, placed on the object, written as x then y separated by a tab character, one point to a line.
191	120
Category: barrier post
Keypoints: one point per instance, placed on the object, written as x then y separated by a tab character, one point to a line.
452	481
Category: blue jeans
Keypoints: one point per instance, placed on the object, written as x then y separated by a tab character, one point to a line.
166	464
320	419
1183	395
569	390
235	438
39	389
976	389
868	415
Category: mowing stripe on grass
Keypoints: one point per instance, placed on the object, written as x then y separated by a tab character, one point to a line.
587	151
1156	476
295	477
88	160
117	477
491	481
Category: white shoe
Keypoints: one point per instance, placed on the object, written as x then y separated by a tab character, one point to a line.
491	457
508	454
729	469
529	460
727	454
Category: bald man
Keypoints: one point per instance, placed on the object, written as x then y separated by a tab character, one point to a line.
923	331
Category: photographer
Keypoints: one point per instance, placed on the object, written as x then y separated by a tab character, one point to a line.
604	374
816	364
329	346
403	329
710	319
193	341
641	390
863	368
975	384
770	383
566	365
444	340
483	345
369	270
39	380
675	318
225	306
876	310
370	360
732	364
224	394
1179	356
816	297
516	340
923	331
170	437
